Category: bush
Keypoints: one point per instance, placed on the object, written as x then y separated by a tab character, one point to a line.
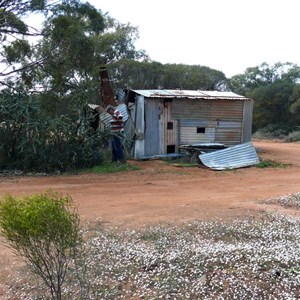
33	140
272	131
293	136
44	230
277	131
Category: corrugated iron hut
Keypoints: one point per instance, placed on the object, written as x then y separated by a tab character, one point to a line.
166	119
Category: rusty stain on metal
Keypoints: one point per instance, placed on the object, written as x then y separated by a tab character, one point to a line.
107	94
189	94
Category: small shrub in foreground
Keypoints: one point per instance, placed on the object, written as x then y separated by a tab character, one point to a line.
44	230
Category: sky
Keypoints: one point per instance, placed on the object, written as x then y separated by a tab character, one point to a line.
226	35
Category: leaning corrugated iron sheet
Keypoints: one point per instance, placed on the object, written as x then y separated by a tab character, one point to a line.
239	156
189	94
106	117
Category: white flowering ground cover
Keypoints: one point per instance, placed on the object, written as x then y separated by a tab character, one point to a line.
292	200
247	259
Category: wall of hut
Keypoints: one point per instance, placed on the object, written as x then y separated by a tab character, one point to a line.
220	121
165	124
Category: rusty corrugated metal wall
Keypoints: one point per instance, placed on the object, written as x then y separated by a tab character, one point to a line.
218	121
170	129
247	120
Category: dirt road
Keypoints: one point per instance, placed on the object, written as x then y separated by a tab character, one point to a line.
162	193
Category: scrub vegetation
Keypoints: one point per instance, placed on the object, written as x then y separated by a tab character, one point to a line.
44	231
255	258
111	167
270	164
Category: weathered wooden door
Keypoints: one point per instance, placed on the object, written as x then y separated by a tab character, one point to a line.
169	127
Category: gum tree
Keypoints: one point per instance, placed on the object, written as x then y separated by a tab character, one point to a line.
275	90
14	31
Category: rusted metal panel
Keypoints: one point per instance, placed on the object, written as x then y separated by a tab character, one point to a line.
204	147
189	135
198	123
107	94
139	149
229	124
247	121
152	134
238	156
229	136
106	117
215	110
170	129
188	94
225	116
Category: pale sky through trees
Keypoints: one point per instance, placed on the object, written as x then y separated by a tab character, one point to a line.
227	35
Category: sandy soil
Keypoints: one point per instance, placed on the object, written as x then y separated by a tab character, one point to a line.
166	193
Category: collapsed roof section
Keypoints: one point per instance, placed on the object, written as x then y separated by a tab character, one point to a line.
239	156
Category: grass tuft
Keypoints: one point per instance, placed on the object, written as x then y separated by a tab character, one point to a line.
110	167
270	164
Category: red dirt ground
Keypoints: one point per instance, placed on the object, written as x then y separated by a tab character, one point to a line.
161	193
166	193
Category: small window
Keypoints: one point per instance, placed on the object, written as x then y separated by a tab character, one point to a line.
200	129
170	125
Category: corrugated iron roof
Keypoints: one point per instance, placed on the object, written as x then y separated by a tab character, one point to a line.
197	94
238	156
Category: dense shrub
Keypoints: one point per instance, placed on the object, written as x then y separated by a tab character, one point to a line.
278	131
32	140
272	131
293	136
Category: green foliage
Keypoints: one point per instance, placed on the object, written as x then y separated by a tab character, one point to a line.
193	77
275	90
11	12
272	131
278	131
152	75
64	66
33	140
272	104
11	23
295	106
293	136
43	229
270	164
111	168
17	50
